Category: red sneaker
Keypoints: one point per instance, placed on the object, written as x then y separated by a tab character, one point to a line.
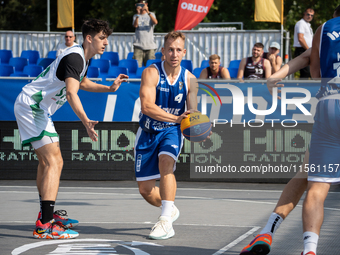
60	217
51	230
259	246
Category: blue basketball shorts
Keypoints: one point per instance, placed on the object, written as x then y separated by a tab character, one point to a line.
149	146
324	154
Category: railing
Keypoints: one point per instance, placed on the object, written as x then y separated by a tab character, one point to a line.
229	45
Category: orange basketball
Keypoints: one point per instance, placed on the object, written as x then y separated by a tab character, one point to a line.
196	127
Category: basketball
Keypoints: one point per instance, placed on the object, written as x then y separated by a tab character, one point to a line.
196	127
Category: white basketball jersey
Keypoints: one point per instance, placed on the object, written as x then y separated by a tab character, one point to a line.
47	90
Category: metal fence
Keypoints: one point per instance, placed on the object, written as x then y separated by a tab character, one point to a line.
229	45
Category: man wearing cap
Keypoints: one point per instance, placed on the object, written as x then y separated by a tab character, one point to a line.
144	45
274	57
303	37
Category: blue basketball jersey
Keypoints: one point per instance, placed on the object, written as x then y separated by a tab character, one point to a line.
170	97
329	57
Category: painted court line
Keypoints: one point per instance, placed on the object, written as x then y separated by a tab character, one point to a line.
193	189
183	197
236	241
141	223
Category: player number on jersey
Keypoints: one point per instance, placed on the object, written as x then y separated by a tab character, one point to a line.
179	98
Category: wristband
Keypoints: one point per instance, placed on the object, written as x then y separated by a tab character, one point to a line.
149	13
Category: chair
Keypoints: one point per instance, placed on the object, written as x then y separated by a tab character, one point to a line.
130	55
6	70
158	55
52	54
102	64
197	71
31	55
234	63
92	72
233	72
112	56
19	75
130	64
45	62
114	71
33	70
5	56
205	63
18	63
187	64
140	71
151	61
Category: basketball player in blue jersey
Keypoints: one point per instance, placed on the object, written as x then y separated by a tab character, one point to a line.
39	100
325	139
166	91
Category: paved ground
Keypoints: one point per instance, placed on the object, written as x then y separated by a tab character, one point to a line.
216	218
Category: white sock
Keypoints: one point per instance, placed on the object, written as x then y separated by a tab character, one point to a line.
310	242
273	224
167	207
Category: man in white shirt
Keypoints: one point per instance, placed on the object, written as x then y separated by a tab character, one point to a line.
303	37
69	41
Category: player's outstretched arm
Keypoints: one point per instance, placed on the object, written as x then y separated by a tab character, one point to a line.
315	57
88	85
291	67
72	88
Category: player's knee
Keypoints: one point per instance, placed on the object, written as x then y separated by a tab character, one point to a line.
145	190
166	162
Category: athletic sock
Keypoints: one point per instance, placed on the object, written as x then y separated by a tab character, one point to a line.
40	206
167	207
273	224
310	242
47	208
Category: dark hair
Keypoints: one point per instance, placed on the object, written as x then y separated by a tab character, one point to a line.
337	11
95	26
174	35
259	45
309	8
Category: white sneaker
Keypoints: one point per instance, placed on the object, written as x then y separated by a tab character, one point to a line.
162	229
174	214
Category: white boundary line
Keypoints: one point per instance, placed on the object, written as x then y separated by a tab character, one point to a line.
193	189
142	223
184	197
236	241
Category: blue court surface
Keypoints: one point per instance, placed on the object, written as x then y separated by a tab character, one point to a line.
216	218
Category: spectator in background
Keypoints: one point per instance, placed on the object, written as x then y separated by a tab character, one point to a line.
215	70
303	37
274	57
69	42
144	22
255	67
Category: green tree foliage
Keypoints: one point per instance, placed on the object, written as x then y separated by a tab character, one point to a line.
31	15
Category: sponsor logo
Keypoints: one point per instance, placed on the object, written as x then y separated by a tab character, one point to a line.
194	7
208	92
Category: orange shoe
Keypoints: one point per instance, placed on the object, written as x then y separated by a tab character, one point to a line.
60	217
51	230
309	253
259	246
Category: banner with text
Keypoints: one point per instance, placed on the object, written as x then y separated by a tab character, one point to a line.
228	102
191	12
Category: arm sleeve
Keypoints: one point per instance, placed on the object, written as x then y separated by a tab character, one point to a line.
70	66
